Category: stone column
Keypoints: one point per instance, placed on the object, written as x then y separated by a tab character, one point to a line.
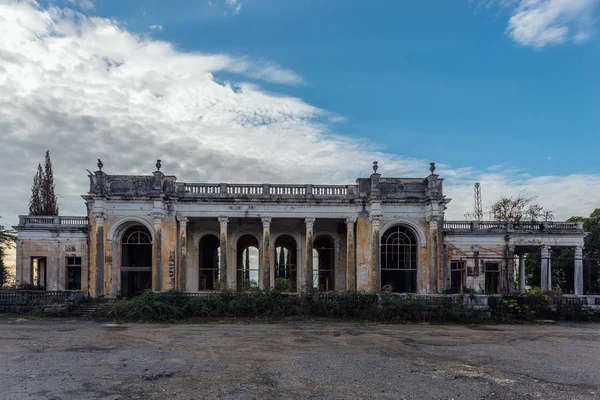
20	266
431	279
157	253
578	282
53	268
546	281
375	275
182	265
265	265
308	251
350	254
224	246
521	273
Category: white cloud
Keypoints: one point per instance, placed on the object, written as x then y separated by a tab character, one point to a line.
236	5
539	23
85	5
156	27
86	88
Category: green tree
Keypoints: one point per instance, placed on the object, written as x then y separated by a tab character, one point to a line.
7	241
520	207
49	199
43	199
35	202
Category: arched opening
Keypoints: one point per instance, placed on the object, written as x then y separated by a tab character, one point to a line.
323	263
209	262
286	276
136	261
247	263
399	260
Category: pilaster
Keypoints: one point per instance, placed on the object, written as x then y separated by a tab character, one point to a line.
546	271
350	254
364	254
308	251
265	265
181	283
224	250
578	267
157	252
374	273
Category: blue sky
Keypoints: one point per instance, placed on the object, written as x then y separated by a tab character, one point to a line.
502	92
439	80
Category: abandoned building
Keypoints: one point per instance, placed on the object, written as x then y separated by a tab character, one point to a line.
151	232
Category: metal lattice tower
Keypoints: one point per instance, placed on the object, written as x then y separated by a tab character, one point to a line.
478	203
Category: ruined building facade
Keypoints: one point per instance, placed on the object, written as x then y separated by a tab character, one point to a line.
152	232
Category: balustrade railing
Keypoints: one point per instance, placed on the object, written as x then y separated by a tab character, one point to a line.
474	226
35	297
293	190
245	189
202	188
42	220
321	190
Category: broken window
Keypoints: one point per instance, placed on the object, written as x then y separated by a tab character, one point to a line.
457	276
210	260
247	263
399	260
323	263
38	272
492	277
73	273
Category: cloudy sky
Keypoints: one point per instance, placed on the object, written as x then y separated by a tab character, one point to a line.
504	92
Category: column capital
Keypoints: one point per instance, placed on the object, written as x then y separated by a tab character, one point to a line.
266	221
158	217
99	218
223	221
376	219
350	221
578	251
183	220
309	221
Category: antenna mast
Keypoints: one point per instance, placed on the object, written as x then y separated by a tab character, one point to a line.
478	203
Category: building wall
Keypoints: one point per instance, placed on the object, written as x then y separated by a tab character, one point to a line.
56	246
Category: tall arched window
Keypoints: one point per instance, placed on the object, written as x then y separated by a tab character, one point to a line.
399	260
247	263
323	263
208	271
285	264
136	261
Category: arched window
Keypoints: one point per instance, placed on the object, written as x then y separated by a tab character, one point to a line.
210	260
323	263
286	277
399	260
247	263
136	261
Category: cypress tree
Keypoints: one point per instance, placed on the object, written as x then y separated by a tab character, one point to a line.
50	203
35	202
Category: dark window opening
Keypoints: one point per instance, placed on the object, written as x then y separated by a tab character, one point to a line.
73	273
492	277
458	276
323	263
210	261
399	260
136	261
38	272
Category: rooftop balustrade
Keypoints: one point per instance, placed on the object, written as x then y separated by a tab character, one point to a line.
267	190
30	221
465	227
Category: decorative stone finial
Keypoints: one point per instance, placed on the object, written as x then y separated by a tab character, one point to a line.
100	165
158	165
432	167
375	167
